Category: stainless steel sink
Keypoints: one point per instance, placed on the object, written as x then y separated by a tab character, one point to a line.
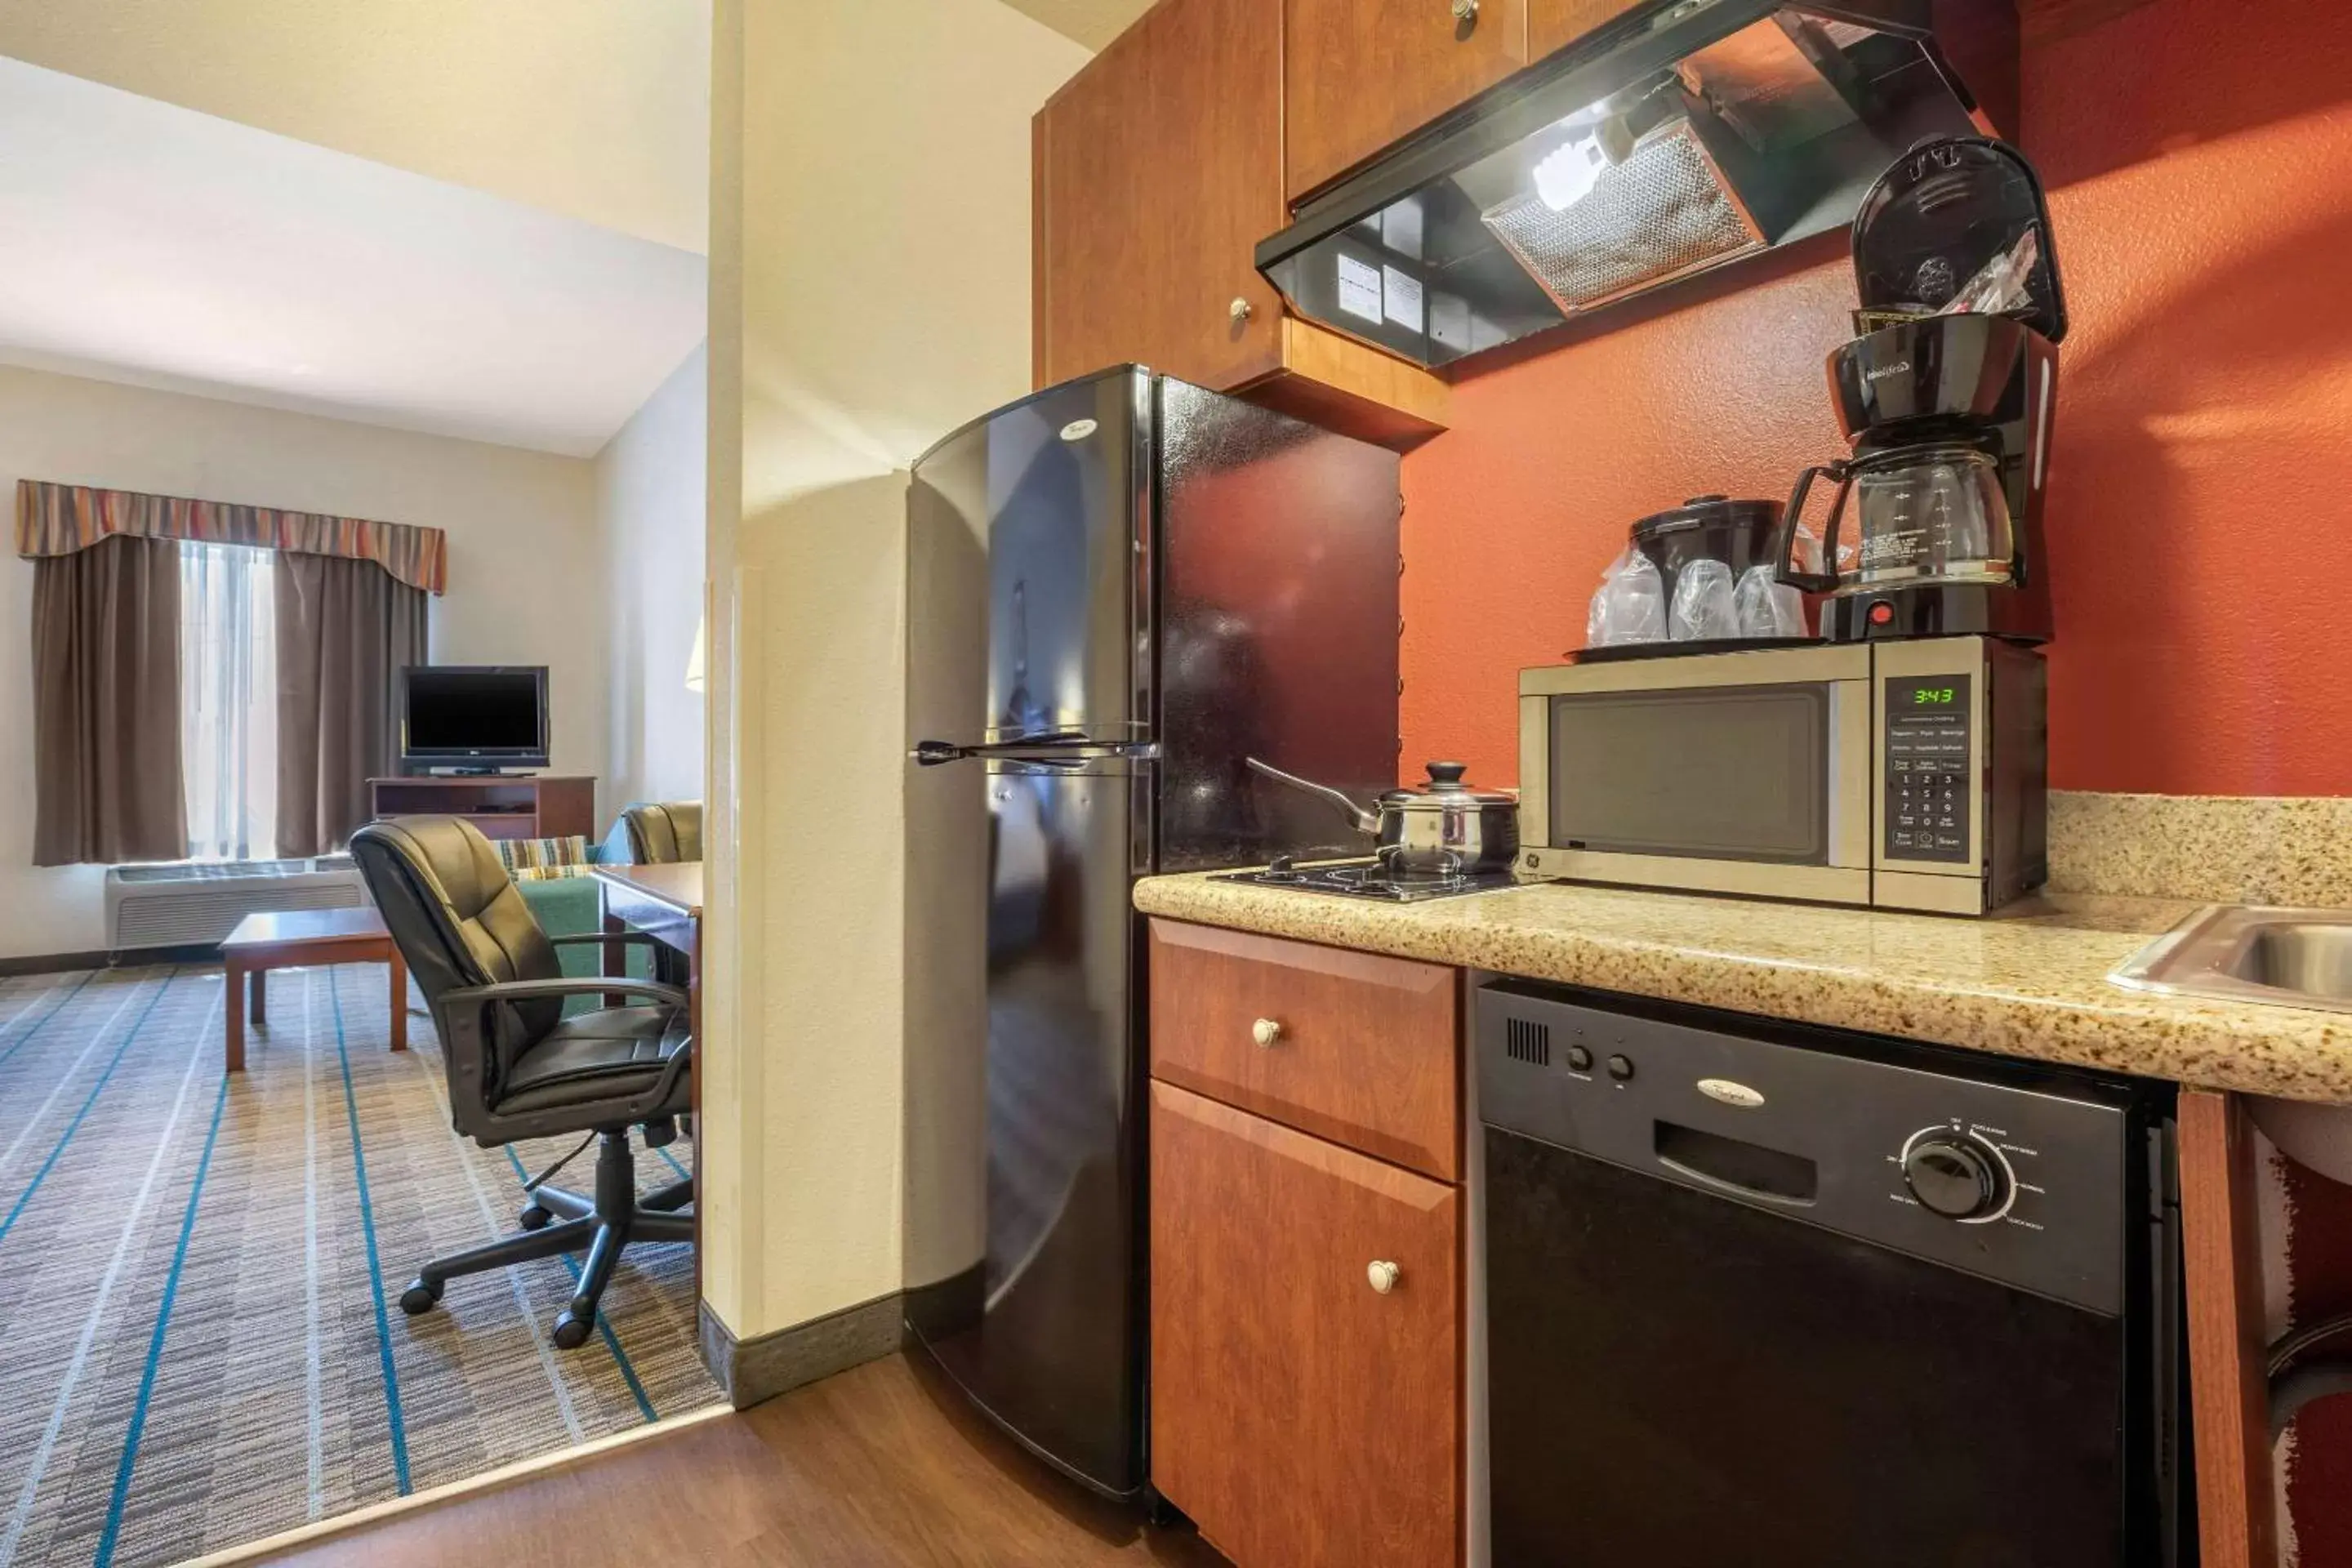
2289	958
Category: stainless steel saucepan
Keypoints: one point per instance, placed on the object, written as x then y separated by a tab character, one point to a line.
1444	828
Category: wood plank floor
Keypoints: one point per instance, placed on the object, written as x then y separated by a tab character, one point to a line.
882	1465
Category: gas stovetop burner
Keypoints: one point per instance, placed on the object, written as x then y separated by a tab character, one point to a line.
1370	878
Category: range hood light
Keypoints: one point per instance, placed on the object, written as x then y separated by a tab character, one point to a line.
1568	174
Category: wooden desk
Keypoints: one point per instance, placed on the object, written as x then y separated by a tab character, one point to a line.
263	942
665	901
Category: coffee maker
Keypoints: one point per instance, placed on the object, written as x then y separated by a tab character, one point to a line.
1949	415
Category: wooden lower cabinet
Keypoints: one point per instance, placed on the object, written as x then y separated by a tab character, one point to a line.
1300	1416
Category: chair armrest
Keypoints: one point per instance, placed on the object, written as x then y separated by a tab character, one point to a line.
480	996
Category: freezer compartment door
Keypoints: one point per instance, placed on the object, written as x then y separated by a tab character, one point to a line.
1026	1246
1042	512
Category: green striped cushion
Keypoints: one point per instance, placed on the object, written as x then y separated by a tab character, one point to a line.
522	854
549	873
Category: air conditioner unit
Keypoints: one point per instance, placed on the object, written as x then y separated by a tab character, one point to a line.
192	902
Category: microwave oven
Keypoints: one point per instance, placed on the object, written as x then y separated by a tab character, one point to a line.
1899	774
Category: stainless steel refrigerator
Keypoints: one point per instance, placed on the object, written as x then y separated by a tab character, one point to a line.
1119	588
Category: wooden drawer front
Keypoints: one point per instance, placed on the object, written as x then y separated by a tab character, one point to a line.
1299	1415
1366	1055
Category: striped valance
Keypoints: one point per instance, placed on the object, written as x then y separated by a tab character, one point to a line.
57	519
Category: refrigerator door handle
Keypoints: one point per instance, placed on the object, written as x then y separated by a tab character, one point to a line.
932	753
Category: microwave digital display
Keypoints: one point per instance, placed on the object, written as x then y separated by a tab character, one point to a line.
1929	769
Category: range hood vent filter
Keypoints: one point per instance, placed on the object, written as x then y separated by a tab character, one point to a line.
1665	211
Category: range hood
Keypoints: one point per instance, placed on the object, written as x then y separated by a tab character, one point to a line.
1679	138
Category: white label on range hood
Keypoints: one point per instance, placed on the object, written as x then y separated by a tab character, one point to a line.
1401	290
1360	288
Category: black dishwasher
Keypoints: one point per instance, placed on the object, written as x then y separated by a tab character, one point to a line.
1766	1295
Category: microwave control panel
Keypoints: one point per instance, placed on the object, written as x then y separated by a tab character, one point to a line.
1930	766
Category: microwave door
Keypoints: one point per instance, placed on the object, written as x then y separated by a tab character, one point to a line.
1752	778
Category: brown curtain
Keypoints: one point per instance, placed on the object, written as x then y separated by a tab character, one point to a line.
345	628
106	705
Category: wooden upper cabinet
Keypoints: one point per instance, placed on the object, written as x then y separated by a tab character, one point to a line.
1555	24
1359	74
1158	170
1305	1344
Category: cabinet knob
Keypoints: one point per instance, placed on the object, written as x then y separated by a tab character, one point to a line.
1466	11
1240	310
1267	1031
1382	1276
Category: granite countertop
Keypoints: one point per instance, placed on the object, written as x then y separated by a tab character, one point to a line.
2029	982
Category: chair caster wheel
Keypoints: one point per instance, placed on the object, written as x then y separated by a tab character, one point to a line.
420	1297
572	1333
535	1217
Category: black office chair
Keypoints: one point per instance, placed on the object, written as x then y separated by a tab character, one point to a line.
669	831
517	1067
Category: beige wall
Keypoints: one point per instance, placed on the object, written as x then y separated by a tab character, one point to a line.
869	291
525	579
1093	23
596	109
650	481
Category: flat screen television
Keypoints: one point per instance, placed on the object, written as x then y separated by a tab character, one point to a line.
475	717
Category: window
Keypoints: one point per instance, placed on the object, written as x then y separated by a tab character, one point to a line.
228	700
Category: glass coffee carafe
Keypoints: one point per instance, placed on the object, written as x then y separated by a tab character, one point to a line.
1923	516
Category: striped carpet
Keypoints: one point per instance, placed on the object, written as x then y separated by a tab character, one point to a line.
200	1338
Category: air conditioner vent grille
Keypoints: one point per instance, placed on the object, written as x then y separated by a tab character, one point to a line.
213	870
165	906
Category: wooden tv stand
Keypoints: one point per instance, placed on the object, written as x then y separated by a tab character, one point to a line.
510	806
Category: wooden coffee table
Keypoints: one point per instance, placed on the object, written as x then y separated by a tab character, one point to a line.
263	942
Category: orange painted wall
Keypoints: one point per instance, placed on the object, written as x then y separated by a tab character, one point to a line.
2200	156
2200	159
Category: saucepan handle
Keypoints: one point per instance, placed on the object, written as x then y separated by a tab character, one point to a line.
1363	821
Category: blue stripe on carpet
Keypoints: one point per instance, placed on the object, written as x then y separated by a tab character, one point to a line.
375	1264
121	1493
95	1090
612	1340
52	1013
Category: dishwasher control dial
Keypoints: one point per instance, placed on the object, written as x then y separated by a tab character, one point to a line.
1958	1176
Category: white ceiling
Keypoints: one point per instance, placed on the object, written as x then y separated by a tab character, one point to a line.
1093	23
597	108
151	244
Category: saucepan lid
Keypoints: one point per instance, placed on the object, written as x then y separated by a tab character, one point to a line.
1940	211
1445	788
